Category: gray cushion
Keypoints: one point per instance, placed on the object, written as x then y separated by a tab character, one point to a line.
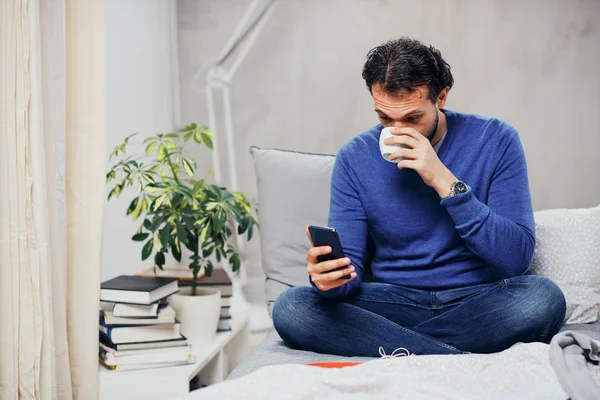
567	252
293	192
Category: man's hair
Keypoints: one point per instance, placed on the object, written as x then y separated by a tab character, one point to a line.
403	64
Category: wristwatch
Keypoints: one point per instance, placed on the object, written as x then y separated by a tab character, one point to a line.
458	187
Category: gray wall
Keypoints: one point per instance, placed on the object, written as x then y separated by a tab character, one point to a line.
139	99
532	63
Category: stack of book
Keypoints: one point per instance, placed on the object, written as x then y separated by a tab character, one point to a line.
218	280
138	329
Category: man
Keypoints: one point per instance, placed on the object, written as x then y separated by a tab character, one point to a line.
446	234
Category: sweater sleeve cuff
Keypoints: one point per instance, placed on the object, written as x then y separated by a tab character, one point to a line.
463	207
335	293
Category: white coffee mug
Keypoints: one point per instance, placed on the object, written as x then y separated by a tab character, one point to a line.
387	149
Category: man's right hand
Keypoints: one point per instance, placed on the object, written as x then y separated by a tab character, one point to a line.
321	272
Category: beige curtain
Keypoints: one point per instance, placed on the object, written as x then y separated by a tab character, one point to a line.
52	152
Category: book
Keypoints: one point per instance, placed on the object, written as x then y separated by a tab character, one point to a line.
133	367
138	333
126	310
225	301
218	280
180	341
137	289
225	312
182	273
224	325
166	315
145	356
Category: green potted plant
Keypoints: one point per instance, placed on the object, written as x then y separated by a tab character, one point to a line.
178	210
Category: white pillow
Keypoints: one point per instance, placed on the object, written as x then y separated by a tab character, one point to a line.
568	252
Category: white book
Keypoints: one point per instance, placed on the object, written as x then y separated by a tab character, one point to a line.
148	356
224	325
166	315
225	301
131	310
143	333
133	367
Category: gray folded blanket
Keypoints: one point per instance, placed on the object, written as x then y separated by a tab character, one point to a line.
569	353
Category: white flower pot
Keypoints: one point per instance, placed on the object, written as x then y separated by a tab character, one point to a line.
199	314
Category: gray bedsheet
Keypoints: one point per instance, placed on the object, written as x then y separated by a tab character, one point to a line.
570	353
274	351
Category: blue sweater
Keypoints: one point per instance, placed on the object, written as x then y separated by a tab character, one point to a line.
390	221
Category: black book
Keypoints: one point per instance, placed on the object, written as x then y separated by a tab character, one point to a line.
137	289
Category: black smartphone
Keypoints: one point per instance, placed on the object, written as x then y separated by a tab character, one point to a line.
325	236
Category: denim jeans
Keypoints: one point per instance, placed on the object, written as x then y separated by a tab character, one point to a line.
479	319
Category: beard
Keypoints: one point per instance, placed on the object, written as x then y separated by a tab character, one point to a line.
432	131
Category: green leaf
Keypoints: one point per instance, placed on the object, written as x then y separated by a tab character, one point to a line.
138	209
219	221
150	147
132	205
205	232
172	135
207	252
186	192
162	152
159	201
218	254
139	237
196	269
147	224
144	204
153	188
165	235
211	172
208	133
250	231
159	259
187	167
198	185
157	244
207	141
180	229
148	177
235	262
147	250
211	205
188	221
187	136
158	220
198	137
169	144
114	152
176	249
149	139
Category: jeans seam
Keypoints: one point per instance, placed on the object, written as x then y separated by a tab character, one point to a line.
427	338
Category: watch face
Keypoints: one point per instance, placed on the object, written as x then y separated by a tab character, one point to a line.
460	187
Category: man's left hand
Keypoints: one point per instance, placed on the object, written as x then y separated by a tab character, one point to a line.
418	154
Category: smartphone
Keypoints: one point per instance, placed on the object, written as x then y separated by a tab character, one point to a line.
324	236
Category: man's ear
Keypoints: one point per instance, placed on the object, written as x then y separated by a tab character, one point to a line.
441	100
